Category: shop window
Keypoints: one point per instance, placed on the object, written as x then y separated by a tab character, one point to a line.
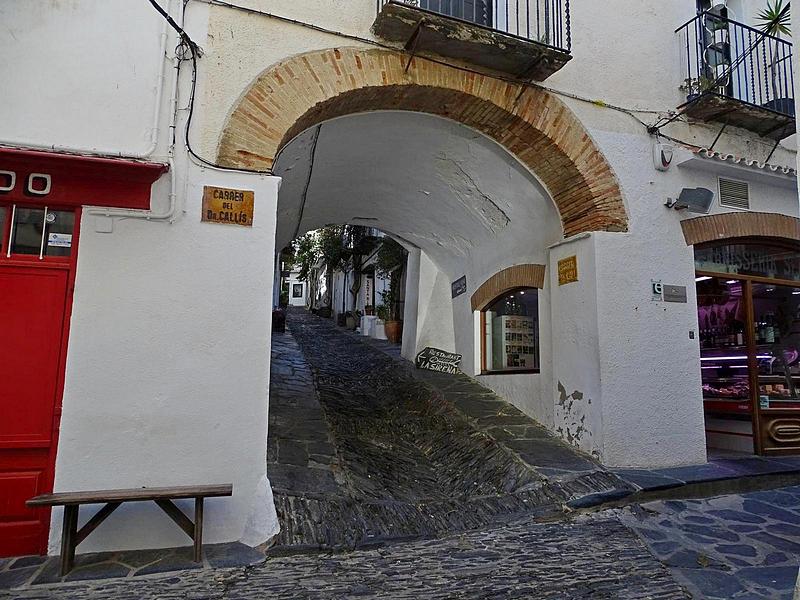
749	321
511	333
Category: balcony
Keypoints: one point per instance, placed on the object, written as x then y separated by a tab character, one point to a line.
736	75
526	39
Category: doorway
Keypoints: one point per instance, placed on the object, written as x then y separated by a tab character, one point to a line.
748	296
37	266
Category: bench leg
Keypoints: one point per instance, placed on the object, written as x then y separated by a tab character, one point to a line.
198	529
69	530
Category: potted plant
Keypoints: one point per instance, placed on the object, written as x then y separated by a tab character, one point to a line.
393	325
353	319
389	262
369	310
694	87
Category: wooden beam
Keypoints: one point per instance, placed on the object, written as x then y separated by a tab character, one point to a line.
93	523
176	514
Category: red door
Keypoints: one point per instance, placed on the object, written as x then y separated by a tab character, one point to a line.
34	309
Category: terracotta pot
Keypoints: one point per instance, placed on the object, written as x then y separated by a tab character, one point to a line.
394	331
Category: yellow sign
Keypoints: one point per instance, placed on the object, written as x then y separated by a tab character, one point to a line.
225	205
567	270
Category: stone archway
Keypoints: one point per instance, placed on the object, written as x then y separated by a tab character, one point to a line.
532	124
711	228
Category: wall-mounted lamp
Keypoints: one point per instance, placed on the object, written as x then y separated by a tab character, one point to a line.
696	200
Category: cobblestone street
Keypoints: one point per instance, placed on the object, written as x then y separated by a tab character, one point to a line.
364	448
392	482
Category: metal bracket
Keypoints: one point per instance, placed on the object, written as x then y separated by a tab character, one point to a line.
411	44
716	139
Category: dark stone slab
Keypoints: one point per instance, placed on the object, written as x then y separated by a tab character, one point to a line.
775	578
232	555
178	560
712	584
648	480
16	577
698	473
27	561
103	570
743	467
737	516
770	511
599	498
139	558
737	549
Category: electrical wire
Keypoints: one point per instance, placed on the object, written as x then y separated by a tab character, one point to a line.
194	52
632	112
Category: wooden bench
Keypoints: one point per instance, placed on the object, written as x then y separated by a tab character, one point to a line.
163	497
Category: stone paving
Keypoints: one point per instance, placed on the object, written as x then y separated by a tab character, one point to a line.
596	558
415	453
36	570
728	547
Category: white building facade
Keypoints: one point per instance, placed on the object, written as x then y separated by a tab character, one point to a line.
508	152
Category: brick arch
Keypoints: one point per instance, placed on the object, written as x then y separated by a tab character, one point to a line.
531	123
510	278
711	228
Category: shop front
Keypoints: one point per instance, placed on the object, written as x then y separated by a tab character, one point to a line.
748	297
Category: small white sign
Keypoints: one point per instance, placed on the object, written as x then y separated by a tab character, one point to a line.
60	240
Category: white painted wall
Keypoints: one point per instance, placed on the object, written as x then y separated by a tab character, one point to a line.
83	73
294	279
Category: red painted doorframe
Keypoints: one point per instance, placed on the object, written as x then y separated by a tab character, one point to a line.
56	181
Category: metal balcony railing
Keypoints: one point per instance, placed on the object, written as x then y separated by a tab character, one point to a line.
544	21
733	60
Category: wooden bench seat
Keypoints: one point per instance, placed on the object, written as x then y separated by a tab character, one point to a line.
162	496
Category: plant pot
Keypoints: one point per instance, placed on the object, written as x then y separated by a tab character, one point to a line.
378	331
341	320
350	322
394	331
325	312
369	310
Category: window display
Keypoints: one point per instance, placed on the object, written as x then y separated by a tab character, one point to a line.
748	315
511	332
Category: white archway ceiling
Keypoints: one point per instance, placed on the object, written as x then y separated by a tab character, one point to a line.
433	182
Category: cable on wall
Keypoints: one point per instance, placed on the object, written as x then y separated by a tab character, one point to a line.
190	47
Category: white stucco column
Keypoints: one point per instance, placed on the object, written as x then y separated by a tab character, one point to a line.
167	376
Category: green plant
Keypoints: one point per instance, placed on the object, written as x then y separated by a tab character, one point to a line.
775	20
382	311
696	85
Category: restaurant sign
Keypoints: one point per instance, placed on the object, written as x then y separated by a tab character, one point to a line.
567	270
433	359
228	206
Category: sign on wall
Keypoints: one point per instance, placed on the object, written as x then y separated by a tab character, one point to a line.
661	292
459	286
228	206
433	359
567	270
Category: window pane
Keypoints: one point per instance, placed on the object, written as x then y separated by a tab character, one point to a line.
777	333
512	332
750	259
60	225
28	223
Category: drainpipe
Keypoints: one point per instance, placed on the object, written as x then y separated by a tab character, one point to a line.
169	213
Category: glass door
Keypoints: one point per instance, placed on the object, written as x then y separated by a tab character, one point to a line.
776	329
722	312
